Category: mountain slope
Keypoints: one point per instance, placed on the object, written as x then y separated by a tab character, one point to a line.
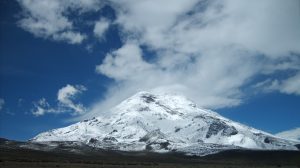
164	122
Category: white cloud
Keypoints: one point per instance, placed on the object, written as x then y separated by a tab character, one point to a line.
124	63
65	96
209	51
101	27
2	103
71	37
41	107
291	63
210	82
289	85
293	134
49	18
207	55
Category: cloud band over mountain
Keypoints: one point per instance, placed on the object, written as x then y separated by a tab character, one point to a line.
214	52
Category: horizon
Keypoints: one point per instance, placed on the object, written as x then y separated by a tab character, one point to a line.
65	61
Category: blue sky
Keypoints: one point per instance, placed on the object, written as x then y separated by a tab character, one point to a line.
64	61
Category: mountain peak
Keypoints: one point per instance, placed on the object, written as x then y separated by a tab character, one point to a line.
164	122
145	96
172	101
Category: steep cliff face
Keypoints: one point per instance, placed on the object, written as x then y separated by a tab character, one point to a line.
162	122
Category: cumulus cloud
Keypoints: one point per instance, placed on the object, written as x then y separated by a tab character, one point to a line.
206	50
50	18
101	27
2	103
124	63
65	96
209	51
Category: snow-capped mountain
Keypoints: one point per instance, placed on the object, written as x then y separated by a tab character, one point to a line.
293	134
163	122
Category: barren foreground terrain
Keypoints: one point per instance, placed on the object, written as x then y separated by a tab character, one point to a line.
11	157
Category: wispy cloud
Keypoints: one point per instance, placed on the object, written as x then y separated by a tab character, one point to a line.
287	86
2	103
41	107
293	134
65	96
